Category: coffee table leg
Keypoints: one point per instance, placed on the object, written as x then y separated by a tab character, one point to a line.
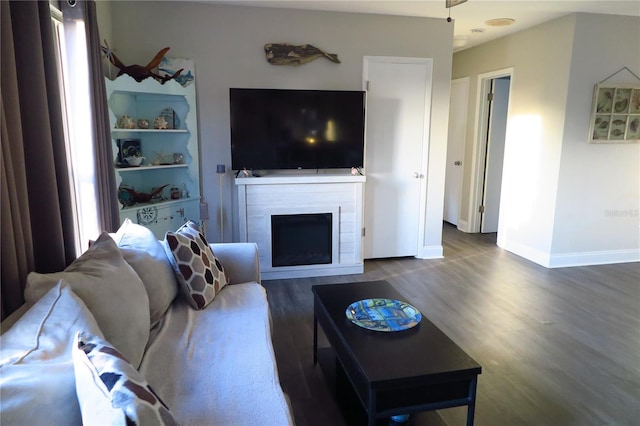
372	408
472	401
315	340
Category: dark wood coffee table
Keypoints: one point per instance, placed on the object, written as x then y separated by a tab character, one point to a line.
393	373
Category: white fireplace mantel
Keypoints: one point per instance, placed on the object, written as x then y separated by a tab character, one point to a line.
340	194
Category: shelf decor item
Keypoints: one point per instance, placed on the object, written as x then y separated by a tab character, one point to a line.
125	197
615	112
126	122
170	116
127	148
139	72
134	161
143	197
169	66
160	123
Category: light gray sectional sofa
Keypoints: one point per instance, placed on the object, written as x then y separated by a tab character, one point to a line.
115	338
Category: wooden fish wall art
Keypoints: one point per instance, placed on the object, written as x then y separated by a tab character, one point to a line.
139	72
289	54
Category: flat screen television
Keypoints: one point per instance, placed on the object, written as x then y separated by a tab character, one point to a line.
274	129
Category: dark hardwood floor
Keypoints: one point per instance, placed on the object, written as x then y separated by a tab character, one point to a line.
557	346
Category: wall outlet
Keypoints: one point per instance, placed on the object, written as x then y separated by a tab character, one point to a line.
204	211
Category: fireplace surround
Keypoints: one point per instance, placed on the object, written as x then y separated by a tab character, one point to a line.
338	196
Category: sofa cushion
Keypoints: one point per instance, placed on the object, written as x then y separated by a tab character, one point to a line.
142	250
110	390
111	290
217	365
199	272
37	382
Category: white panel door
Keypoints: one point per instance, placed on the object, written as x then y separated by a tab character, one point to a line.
495	155
397	98
455	148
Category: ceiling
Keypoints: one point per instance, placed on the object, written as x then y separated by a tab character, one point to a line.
468	16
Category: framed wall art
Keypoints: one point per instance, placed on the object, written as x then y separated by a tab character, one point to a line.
615	114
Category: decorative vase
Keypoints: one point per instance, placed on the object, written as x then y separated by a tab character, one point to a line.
124	196
175	193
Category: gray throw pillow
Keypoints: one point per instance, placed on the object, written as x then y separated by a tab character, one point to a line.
112	291
37	381
147	257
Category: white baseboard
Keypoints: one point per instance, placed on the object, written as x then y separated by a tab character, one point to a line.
536	256
430	252
464	226
566	260
594	258
307	271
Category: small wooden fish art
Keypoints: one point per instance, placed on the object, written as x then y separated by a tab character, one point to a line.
289	54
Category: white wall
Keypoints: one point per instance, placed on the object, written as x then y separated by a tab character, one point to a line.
596	219
103	12
226	44
557	188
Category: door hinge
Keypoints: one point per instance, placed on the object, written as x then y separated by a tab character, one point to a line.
481	209
364	231
489	96
366	85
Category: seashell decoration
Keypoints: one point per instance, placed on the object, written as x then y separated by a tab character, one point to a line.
143	123
126	122
160	123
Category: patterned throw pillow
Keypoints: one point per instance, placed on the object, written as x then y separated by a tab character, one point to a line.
199	272
110	390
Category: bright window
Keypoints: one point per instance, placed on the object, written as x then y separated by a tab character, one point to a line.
74	82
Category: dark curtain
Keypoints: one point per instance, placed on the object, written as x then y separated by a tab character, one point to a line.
36	206
106	195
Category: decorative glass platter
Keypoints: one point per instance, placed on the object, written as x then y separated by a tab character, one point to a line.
383	314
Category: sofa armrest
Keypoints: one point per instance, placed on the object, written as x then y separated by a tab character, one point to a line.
240	261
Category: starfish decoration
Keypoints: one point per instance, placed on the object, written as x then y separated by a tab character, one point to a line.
160	158
108	53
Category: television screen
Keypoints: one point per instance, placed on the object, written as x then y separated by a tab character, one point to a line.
296	129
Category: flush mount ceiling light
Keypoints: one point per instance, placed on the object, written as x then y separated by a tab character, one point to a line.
459	41
499	22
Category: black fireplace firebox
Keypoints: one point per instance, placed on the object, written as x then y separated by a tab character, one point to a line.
301	239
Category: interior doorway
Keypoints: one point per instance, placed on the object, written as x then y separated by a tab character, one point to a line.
493	106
